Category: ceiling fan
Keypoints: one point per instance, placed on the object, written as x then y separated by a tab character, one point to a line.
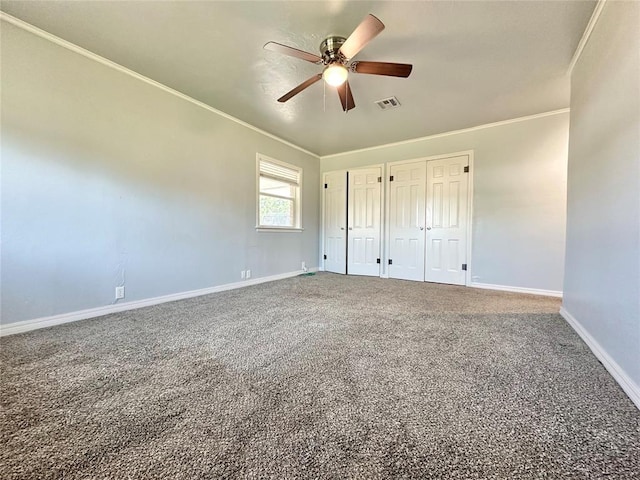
337	53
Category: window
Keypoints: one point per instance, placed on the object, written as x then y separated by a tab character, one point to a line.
278	194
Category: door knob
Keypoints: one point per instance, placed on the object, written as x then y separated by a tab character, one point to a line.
428	228
350	228
341	228
421	228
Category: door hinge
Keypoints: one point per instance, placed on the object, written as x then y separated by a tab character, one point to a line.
466	169
325	185
464	266
377	260
379	179
390	262
391	178
325	257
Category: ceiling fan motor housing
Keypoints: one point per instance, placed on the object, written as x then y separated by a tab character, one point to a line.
330	50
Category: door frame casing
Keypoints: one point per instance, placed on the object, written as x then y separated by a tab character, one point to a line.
469	233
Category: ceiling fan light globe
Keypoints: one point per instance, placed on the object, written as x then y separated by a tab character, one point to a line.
335	75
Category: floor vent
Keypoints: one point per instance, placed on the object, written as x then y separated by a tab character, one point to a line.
388	103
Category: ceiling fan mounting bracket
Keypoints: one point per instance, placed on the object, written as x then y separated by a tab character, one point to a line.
330	50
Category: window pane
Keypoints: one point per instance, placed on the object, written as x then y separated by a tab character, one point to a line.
279	193
276	187
277	212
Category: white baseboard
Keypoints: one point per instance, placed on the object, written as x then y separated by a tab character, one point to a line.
505	288
619	375
43	322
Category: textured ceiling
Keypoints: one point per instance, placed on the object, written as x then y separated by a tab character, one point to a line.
474	62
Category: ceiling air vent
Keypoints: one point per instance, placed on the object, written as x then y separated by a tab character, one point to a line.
388	103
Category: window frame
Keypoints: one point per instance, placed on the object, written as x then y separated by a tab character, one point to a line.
297	198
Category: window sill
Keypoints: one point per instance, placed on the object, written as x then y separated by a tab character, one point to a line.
280	229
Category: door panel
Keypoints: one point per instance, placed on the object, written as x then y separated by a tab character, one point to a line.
335	222
447	189
406	221
364	222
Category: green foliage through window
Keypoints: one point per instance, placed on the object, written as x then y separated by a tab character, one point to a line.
277	212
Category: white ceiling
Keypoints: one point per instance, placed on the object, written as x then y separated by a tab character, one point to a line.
473	62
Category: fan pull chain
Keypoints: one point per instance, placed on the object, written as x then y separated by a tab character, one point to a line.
324	97
347	99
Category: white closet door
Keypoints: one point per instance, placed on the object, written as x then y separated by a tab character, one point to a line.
335	221
407	220
363	253
447	189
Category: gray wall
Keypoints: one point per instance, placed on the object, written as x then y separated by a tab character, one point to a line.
105	178
519	198
602	285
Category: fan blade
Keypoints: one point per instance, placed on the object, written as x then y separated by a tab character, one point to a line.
346	98
299	88
363	34
292	52
383	68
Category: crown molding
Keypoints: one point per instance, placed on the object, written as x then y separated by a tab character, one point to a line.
586	35
116	66
453	132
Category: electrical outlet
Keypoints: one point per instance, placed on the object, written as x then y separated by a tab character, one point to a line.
242	274
248	274
119	292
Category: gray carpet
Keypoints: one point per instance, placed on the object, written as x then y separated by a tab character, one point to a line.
316	377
